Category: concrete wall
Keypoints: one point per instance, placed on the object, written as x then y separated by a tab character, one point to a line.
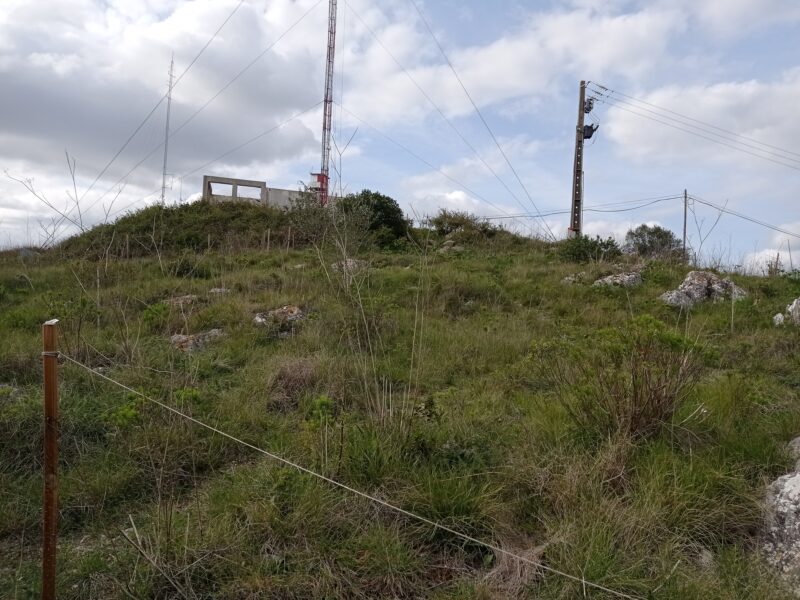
276	197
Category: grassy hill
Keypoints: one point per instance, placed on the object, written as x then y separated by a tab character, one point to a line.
594	430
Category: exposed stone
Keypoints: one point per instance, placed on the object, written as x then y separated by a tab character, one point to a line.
285	314
348	268
778	319
782	539
630	279
350	265
574	278
299	266
218	291
181	300
793	311
196	341
699	286
449	246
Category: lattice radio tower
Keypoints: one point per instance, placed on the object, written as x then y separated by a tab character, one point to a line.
323	177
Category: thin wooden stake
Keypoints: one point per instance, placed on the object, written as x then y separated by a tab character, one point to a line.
50	509
269	231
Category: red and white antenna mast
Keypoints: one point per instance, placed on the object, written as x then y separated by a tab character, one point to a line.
323	176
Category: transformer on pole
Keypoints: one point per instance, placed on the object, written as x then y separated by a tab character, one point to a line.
582	132
323	177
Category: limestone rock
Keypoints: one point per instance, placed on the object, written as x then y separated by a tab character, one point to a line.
348	268
778	319
782	520
218	291
350	265
630	279
449	246
700	286
197	341
285	314
793	312
574	278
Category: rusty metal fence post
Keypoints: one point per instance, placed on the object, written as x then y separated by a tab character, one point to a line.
50	512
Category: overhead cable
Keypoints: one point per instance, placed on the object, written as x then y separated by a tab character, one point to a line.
478	111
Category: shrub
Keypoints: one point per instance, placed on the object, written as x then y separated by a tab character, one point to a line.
386	220
448	222
584	249
629	381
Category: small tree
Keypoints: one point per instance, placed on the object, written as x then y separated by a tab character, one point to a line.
652	241
387	223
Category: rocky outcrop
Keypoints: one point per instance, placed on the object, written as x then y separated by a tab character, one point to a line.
197	341
218	291
792	315
701	286
626	280
782	536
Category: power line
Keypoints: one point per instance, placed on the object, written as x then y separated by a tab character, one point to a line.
734	213
427	163
709	131
604	90
436	107
209	101
231	151
353	490
478	111
246	68
153	110
599	208
695	133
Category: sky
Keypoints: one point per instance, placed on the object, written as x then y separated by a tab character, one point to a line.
79	77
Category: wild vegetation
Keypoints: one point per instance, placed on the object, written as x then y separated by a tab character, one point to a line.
594	430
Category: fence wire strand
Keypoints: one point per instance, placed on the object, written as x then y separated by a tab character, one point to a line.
355	491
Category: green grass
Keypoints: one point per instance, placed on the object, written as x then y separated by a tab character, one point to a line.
423	384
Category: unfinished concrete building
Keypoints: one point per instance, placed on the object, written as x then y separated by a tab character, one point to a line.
266	196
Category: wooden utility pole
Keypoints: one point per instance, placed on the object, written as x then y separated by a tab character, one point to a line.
576	219
685	211
50	512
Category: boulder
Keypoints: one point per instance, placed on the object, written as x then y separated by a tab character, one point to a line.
285	314
197	341
349	265
348	268
782	521
793	312
574	278
219	291
700	286
629	279
778	319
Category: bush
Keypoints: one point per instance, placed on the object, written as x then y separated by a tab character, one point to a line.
448	222
628	381
584	249
386	220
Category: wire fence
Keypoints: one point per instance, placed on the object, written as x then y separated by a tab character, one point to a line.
394	508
